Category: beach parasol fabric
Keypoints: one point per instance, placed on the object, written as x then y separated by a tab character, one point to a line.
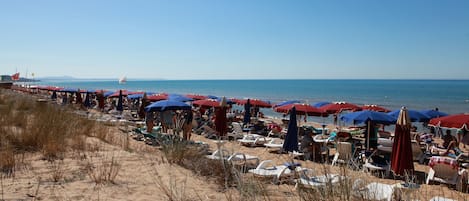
401	156
247	112
369	118
167	105
68	90
433	113
291	139
256	103
157	97
220	118
414	115
364	116
87	102
320	104
119	102
207	103
375	108
178	97
338	107
460	121
196	96
286	103
302	109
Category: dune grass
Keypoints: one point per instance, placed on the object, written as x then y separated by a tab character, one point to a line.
28	126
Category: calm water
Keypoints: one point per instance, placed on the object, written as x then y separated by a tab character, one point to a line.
450	96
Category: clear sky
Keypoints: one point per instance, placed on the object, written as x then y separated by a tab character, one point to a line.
241	39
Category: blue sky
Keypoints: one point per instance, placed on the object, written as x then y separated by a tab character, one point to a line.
244	39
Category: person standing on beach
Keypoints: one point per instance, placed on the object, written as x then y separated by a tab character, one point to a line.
187	127
149	121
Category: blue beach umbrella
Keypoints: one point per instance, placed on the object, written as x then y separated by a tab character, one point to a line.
139	95
287	103
433	113
212	97
364	116
119	102
164	105
320	104
291	139
415	116
69	90
247	112
369	118
87	102
108	93
180	98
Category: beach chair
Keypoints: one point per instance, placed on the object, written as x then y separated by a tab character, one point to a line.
275	144
371	166
278	173
438	198
244	161
443	170
237	132
372	191
253	140
219	154
319	181
345	155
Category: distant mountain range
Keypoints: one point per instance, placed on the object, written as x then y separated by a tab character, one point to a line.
62	78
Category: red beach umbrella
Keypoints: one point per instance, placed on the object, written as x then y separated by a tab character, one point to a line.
452	121
375	108
196	96
206	103
220	118
253	102
157	97
302	109
401	160
337	107
116	94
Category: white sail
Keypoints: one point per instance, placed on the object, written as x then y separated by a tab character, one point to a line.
123	80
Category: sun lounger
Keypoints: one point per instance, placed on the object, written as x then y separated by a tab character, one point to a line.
372	191
235	158
438	198
237	132
274	143
253	140
278	172
371	166
319	181
443	170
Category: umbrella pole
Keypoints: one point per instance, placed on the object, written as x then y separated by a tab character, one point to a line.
368	136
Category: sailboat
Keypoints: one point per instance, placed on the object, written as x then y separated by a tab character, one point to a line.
123	80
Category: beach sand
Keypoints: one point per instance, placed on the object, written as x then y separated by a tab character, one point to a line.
143	174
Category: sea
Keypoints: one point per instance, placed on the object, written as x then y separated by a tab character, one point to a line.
449	96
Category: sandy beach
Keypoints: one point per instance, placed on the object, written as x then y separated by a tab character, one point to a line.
113	166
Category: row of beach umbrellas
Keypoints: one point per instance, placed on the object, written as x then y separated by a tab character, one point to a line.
319	109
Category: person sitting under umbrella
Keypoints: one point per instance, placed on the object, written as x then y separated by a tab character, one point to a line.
450	144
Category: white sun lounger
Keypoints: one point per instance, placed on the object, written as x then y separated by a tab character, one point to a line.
268	169
274	143
372	191
253	140
319	181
